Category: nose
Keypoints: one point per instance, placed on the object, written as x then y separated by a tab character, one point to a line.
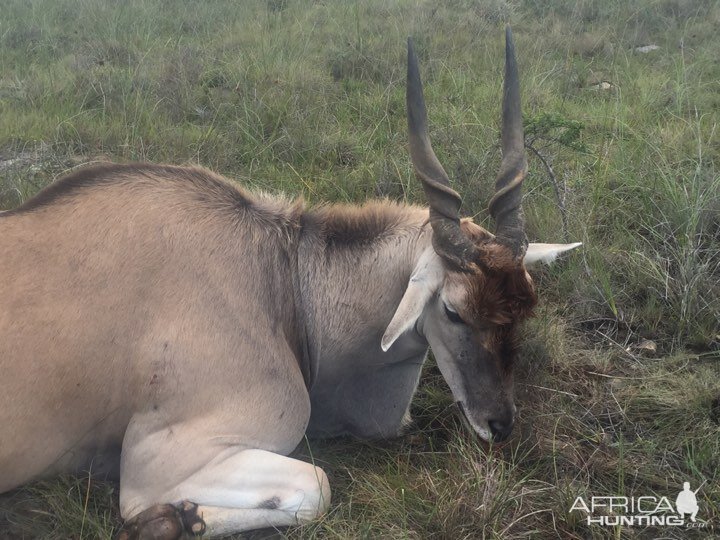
500	429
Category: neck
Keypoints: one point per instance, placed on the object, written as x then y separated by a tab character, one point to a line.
354	265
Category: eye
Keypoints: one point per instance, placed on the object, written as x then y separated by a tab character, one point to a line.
452	315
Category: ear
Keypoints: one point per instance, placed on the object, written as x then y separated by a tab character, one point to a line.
425	280
546	253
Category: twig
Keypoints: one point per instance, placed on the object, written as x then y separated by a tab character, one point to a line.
560	196
553	390
644	378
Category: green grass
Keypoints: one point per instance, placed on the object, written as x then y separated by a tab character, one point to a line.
307	97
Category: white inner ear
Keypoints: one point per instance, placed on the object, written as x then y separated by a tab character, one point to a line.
546	253
425	280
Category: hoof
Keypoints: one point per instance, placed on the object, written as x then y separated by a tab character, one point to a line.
192	522
164	522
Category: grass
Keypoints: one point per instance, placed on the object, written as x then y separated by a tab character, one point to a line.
308	98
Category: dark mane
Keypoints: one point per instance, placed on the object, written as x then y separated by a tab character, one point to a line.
345	226
209	184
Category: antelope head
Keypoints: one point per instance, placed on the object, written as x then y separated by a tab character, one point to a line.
470	290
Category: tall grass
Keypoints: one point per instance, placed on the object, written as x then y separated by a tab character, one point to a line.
307	97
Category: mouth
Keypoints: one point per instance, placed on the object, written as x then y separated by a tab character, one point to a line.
490	436
482	432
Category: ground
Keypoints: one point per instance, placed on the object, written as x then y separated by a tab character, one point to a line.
619	384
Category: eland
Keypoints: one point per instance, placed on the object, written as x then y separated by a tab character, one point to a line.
162	321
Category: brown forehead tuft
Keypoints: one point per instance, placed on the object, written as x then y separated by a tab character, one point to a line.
499	291
499	297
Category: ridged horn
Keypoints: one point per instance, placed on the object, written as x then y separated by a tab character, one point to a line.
449	241
506	204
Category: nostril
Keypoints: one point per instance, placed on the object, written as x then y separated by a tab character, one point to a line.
500	430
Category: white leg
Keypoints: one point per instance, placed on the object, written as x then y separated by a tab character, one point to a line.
244	490
224	521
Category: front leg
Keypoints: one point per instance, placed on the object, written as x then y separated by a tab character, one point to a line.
222	452
245	490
